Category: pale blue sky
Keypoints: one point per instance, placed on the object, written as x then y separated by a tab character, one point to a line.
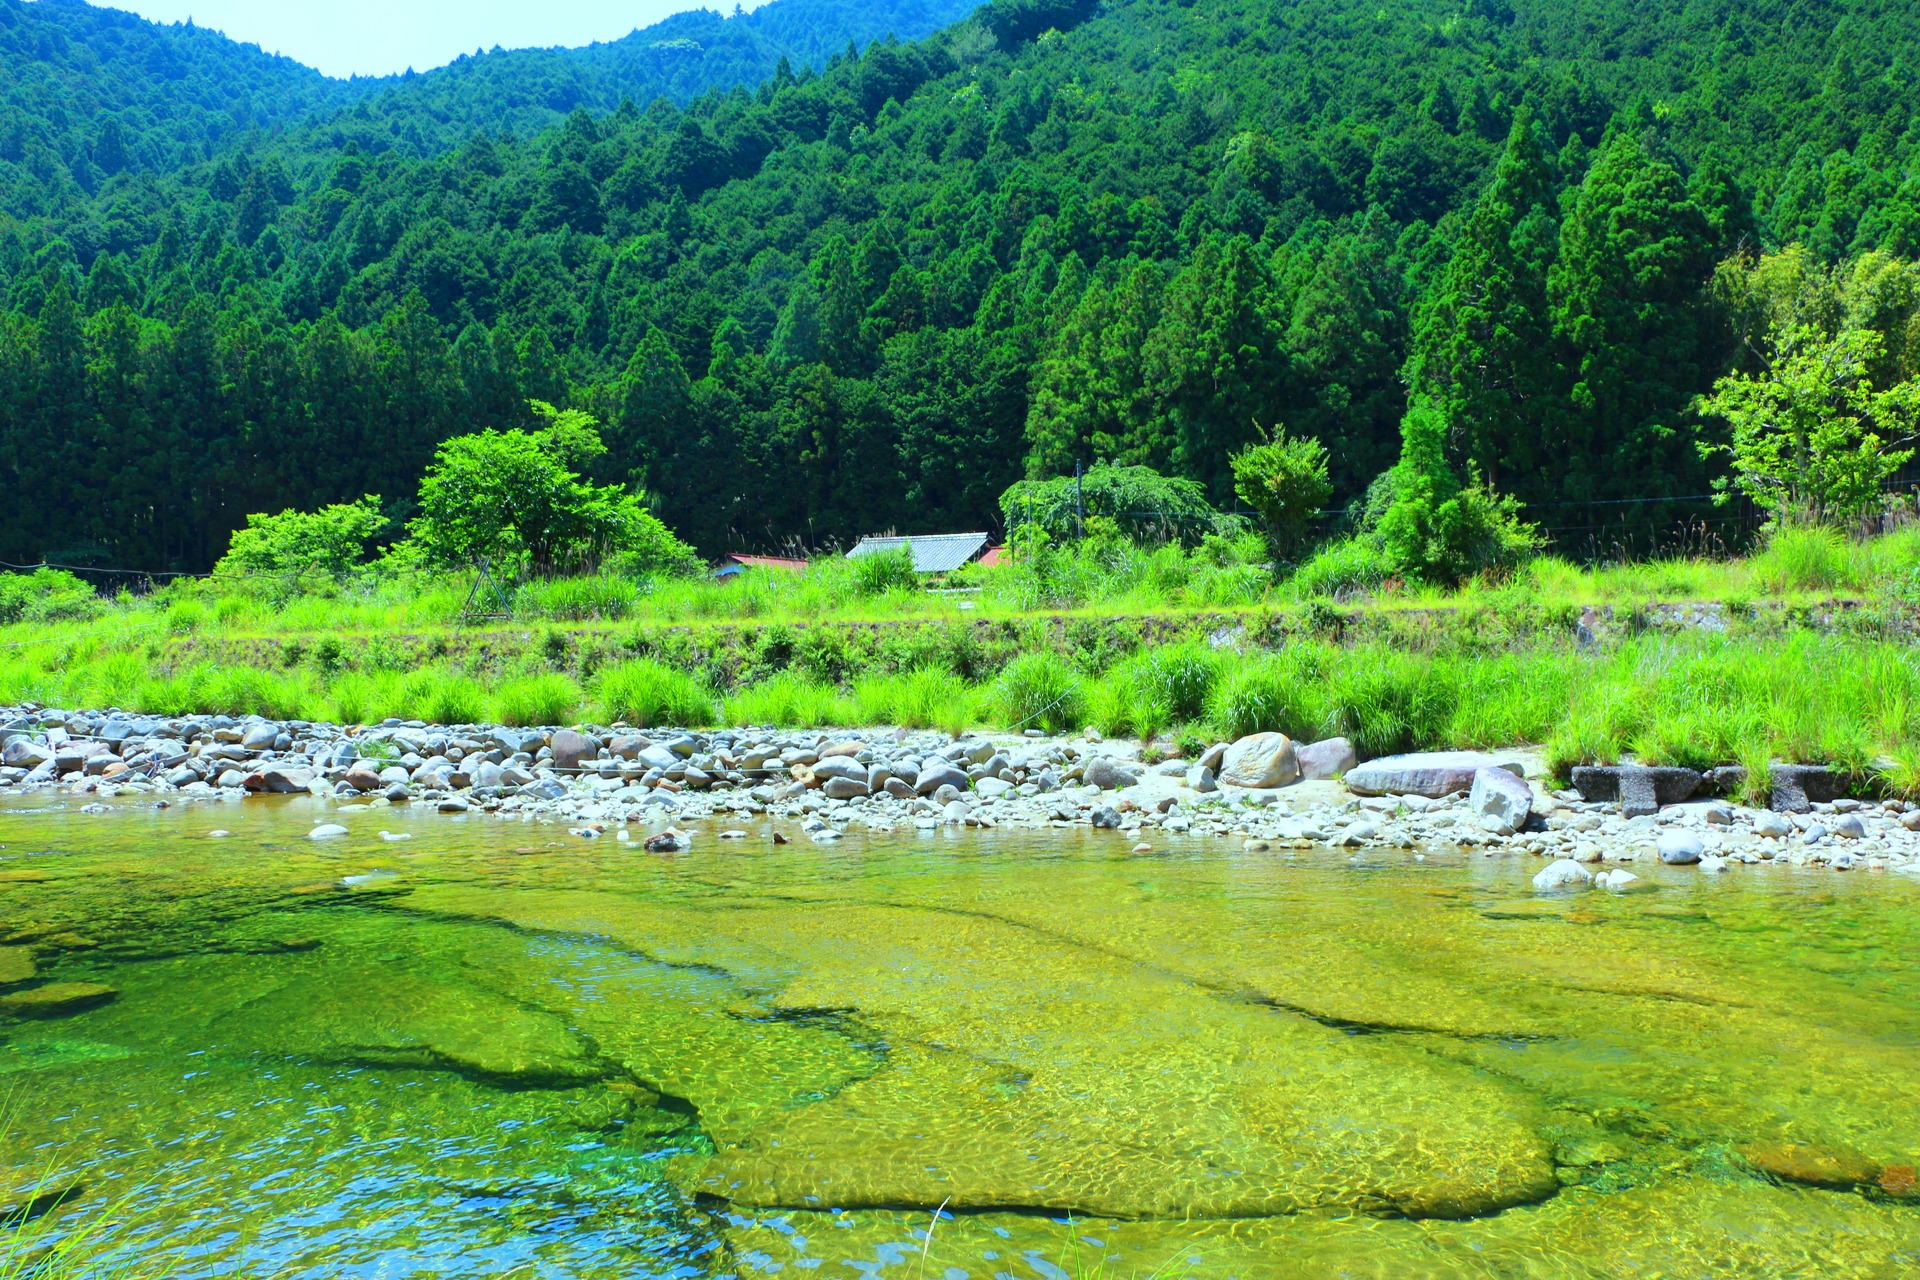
378	37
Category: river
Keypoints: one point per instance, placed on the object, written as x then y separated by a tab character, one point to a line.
494	1048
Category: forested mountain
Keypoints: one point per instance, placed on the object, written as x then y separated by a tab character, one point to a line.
874	296
87	93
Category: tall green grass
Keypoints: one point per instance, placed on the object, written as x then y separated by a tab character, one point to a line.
547	698
646	692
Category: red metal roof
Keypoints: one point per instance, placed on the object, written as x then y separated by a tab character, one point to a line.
771	562
995	557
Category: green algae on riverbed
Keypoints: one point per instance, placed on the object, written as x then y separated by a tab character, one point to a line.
524	1051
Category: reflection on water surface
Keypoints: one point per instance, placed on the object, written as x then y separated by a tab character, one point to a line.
500	1050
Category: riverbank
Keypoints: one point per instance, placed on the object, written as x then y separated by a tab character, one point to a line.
671	789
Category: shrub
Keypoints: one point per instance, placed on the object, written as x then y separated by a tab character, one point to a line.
46	595
1805	558
541	699
645	692
329	541
1145	505
1342	569
1433	527
1285	480
877	573
184	617
1039	691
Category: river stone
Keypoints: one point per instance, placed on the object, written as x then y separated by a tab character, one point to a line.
1326	759
1618	880
844	788
56	999
1712	863
844	767
282	779
1828	1167
407	1018
1105	774
570	748
936	773
1105	818
1260	760
1772	824
1562	874
1680	848
992	788
260	737
25	753
657	757
361	778
1498	794
327	831
1850	826
1201	779
1423	773
16	965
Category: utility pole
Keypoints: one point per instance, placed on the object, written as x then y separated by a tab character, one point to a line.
1079	506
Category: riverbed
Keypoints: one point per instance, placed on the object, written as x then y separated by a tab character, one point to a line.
492	1048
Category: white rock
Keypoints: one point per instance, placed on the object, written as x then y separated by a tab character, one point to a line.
327	831
1713	863
1849	826
1617	880
1768	823
1680	848
1499	794
1563	874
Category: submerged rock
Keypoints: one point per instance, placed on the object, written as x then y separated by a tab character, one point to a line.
56	999
16	965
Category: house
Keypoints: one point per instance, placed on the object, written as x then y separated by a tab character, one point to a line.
932	553
733	566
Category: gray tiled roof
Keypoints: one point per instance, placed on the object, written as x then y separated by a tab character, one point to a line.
932	553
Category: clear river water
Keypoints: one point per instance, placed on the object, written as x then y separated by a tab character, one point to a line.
495	1049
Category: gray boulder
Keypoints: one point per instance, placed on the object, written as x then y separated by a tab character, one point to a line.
545	789
845	768
993	787
936	773
1106	774
1423	773
25	753
1260	760
1772	824
1326	759
1201	779
1797	787
1106	818
657	757
570	748
260	737
1498	794
1640	789
844	788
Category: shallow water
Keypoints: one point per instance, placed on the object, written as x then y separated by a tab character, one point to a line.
501	1050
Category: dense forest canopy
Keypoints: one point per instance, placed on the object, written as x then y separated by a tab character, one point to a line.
874	296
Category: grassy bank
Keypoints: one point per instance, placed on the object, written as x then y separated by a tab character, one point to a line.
1804	655
1696	698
